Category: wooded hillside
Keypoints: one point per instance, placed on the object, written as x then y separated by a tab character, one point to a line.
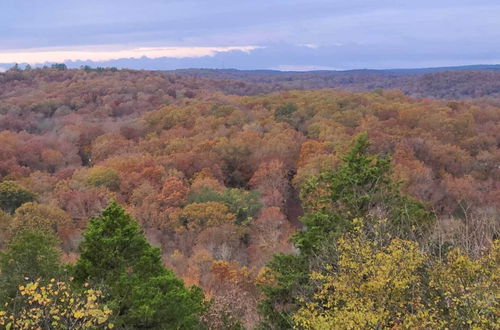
221	182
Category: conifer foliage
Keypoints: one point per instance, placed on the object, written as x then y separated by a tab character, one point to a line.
142	293
360	187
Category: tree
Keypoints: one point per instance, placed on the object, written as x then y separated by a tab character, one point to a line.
82	204
372	286
174	192
141	292
103	177
41	217
464	292
12	196
55	306
285	276
361	187
108	145
271	180
29	256
59	66
270	234
244	204
379	285
198	216
284	112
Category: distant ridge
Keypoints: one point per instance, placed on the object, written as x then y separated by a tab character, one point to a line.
456	82
476	67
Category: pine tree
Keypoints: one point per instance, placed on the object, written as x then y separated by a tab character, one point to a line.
116	257
360	188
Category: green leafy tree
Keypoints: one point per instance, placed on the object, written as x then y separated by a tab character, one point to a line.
40	217
244	204
12	196
284	112
103	177
29	256
142	293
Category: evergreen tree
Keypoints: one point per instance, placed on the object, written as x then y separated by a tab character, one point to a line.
360	188
116	257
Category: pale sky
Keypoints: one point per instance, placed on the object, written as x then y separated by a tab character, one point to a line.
270	34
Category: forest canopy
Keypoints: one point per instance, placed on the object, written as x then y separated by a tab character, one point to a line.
165	200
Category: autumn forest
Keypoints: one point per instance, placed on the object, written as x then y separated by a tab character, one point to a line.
204	200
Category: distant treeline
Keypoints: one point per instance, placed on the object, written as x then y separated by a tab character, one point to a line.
456	83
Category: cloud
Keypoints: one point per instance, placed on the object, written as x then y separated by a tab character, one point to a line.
43	55
312	46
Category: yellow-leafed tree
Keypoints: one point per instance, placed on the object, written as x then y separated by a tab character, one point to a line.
395	285
55	306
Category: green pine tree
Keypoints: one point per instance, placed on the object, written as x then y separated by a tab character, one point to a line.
116	257
360	188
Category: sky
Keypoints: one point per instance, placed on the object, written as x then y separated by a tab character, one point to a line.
260	34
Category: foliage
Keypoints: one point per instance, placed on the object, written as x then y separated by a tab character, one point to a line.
103	177
55	306
12	196
174	192
271	180
34	216
168	135
376	284
218	316
285	276
59	66
198	216
360	187
5	220
244	204
464	292
141	292
284	112
30	255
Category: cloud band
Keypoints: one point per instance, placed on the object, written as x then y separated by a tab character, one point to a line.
39	56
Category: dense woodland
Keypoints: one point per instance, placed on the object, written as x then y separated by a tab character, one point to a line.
159	200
